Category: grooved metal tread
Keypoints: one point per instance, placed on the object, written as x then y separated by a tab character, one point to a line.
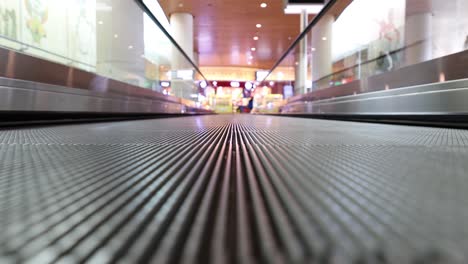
233	189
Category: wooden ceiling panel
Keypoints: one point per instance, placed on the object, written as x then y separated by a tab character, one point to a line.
224	30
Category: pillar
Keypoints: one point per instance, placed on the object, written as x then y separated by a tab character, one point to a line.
322	50
182	32
301	65
418	31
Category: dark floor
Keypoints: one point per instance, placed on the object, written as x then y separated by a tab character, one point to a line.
234	189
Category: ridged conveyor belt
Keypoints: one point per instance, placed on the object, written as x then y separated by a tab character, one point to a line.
234	189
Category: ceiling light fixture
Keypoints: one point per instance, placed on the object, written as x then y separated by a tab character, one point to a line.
324	38
259	25
255	38
130	47
253	49
263	5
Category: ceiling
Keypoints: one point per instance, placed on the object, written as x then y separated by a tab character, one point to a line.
224	30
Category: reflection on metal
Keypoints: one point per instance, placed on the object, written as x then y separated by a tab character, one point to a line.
442	77
438	98
16	95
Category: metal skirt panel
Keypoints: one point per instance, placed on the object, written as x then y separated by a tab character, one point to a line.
17	95
439	98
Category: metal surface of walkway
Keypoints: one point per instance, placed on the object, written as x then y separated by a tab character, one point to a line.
233	189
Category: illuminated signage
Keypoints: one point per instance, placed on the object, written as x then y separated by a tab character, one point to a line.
298	6
261	75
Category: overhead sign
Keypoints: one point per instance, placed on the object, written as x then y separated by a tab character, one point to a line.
261	75
298	6
306	2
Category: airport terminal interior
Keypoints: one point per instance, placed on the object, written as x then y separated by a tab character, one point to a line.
234	131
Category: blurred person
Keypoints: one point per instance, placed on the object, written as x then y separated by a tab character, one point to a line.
250	104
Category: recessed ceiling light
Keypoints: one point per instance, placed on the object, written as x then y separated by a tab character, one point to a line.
313	49
130	47
324	38
116	35
253	49
259	25
100	22
181	4
249	63
255	38
263	5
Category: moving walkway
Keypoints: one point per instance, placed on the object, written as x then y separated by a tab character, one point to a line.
366	164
